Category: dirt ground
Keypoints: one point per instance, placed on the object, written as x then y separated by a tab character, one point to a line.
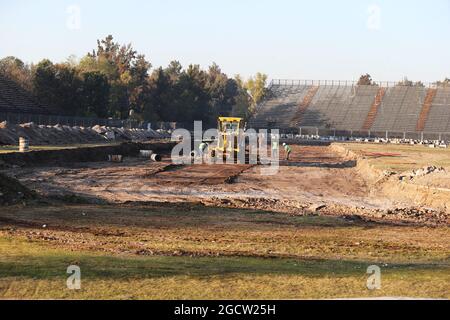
315	180
416	175
156	230
308	177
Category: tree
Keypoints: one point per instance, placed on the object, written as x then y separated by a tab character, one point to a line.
365	80
95	94
256	88
174	71
16	70
158	105
114	80
44	82
193	101
409	83
243	101
445	83
222	92
405	82
59	87
127	74
67	92
97	64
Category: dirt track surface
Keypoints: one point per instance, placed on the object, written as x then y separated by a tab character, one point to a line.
303	177
315	177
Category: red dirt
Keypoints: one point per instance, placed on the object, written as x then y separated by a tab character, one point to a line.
381	154
200	174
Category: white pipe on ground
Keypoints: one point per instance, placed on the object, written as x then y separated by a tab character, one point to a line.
156	157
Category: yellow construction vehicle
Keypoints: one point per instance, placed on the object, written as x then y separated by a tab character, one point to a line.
229	140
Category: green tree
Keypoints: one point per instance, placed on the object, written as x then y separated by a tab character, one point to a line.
45	83
95	94
16	70
365	80
256	88
222	92
193	100
409	83
160	104
243	101
174	71
68	90
59	87
127	73
115	81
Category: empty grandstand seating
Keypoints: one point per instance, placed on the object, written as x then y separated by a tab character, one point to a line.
439	114
281	108
426	109
325	107
304	104
374	109
15	99
400	109
345	106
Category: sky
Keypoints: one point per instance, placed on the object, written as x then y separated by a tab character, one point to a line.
286	39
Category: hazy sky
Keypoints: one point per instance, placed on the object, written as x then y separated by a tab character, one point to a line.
322	39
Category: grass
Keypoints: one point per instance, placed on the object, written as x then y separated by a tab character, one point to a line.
181	252
203	231
409	156
29	270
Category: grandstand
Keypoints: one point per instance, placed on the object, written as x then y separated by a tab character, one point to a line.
439	114
344	105
15	99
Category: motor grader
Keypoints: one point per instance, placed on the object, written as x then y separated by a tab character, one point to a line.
230	140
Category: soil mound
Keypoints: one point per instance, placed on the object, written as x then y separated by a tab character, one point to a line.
63	134
12	191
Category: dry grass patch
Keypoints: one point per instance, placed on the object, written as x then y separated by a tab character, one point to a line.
402	157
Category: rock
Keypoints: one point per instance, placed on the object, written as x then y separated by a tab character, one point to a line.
421	172
388	173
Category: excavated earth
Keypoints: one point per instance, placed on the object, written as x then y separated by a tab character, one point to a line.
317	180
38	135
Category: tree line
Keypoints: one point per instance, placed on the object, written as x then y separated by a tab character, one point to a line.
366	80
115	81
